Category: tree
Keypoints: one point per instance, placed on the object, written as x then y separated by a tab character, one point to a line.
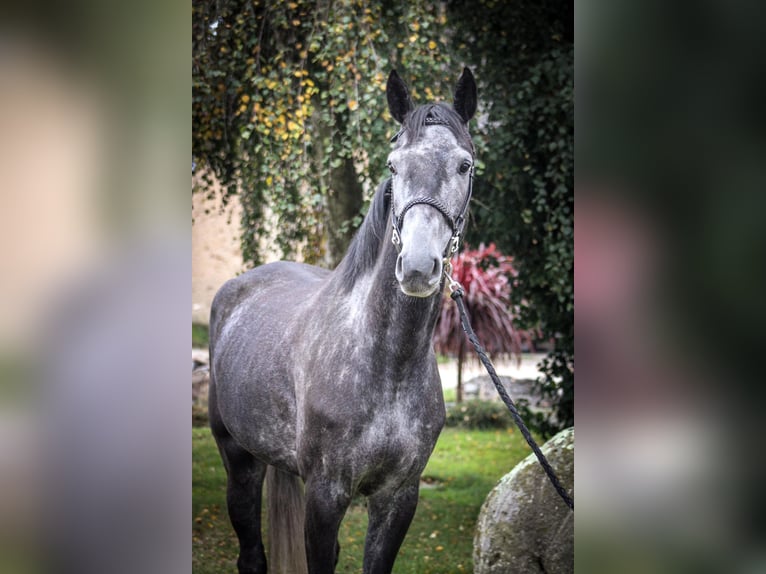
289	108
524	56
486	276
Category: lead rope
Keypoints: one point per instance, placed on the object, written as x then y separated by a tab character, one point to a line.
457	292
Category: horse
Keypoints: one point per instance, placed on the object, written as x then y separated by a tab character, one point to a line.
329	378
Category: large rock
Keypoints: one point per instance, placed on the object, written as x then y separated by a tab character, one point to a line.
481	387
524	526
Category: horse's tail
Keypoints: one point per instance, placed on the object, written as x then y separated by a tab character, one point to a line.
287	506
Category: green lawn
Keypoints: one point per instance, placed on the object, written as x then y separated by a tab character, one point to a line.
200	335
462	470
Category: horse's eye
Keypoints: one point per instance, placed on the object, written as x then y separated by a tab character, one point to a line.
465	166
391	168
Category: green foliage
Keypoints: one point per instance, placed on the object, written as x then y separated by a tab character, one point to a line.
289	106
478	414
200	335
463	468
524	54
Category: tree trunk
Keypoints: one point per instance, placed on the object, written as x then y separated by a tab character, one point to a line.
345	194
343	203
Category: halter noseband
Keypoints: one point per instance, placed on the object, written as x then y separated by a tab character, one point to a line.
455	223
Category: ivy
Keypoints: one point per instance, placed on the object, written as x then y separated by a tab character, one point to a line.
289	108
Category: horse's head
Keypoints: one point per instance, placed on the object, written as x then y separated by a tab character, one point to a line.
432	169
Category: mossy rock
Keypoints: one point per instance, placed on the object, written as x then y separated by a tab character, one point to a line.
524	527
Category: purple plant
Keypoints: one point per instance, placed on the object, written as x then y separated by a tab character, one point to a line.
486	276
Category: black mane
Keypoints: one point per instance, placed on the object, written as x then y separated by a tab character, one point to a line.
365	246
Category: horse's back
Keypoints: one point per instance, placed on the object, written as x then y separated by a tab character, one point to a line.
274	280
250	323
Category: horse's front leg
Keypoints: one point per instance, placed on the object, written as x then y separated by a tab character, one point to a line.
390	515
326	504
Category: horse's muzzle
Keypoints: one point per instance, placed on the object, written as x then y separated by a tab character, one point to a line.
418	273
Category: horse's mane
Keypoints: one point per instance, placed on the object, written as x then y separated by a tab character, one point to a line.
363	251
365	246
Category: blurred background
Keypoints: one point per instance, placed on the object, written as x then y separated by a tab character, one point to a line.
669	248
94	220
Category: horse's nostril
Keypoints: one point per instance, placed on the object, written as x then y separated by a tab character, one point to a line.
435	269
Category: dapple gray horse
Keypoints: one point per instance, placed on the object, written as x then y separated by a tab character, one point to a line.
331	377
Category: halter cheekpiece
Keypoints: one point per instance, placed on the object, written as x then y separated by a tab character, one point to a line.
455	223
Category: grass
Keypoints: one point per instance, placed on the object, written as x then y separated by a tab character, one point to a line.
450	395
200	335
464	467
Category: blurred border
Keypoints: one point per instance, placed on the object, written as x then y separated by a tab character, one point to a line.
669	248
94	308
95	454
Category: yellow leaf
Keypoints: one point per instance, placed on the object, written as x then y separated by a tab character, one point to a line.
245	98
352	105
439	548
269	179
414	38
432	45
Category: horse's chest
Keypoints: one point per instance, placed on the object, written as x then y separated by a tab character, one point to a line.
396	442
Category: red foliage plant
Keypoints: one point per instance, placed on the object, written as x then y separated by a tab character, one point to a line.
485	275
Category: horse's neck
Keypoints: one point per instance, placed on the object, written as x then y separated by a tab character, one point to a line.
403	325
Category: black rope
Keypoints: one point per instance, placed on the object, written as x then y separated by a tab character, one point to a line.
457	295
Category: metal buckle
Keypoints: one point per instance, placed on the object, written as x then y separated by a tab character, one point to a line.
451	283
454	243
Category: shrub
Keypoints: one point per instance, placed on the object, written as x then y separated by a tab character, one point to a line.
200	335
199	416
479	415
486	276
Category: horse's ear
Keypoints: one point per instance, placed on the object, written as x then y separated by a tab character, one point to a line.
465	95
399	102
